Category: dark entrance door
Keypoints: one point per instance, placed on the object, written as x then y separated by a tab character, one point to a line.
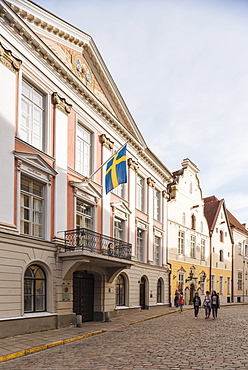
143	293
192	293
83	295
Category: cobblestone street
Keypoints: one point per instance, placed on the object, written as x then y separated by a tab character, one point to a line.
175	341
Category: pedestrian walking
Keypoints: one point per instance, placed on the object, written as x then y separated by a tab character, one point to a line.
181	302
207	304
197	304
215	304
176	299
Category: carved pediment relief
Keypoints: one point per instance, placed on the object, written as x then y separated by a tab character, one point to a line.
120	209
77	63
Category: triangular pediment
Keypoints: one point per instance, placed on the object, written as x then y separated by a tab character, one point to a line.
86	190
36	162
121	206
74	57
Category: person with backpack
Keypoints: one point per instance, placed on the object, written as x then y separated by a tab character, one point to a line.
207	304
197	304
215	304
181	302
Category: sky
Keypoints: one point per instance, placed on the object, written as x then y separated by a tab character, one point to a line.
182	68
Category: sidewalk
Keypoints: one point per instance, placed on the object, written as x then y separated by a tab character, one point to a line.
25	344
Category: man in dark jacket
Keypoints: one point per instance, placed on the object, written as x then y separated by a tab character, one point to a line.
197	304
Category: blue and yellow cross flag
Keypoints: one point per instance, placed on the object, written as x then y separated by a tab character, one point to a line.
116	170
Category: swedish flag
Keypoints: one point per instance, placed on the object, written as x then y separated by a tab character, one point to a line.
116	170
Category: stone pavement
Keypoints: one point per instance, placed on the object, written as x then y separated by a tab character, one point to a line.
20	345
158	343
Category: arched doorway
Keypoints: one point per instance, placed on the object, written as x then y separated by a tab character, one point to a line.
192	293
83	295
143	293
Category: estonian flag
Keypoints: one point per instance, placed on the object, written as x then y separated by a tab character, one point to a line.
116	170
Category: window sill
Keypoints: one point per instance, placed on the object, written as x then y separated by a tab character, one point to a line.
30	315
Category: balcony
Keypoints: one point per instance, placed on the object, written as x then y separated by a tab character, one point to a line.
89	241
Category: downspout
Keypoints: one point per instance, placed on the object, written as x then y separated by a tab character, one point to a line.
169	284
232	284
211	258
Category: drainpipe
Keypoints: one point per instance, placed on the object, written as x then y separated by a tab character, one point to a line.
169	284
232	282
211	260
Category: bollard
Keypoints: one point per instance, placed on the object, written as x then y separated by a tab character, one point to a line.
79	321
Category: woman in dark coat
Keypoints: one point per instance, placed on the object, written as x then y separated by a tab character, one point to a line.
197	304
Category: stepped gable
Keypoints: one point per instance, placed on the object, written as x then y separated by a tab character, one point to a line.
211	210
234	223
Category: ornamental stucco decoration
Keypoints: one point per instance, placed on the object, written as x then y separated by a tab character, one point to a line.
7	58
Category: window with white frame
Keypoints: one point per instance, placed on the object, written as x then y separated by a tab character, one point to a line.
202	282
120	190
203	249
184	218
157	251
140	244
32	207
239	248
213	282
228	285
120	291
221	285
192	246
239	280
180	242
181	280
32	116
118	229
83	150
140	201
246	250
84	215
157	205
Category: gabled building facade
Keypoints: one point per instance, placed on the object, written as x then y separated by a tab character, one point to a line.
240	260
67	247
188	237
221	246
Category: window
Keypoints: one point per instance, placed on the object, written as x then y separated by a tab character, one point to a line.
193	222
180	242
201	227
203	250
192	246
221	236
184	218
221	256
140	245
118	229
239	248
239	280
181	281
157	205
34	289
84	215
212	282
157	249
32	116
140	193
190	187
159	291
32	204
83	151
120	291
246	250
221	285
120	190
202	282
228	285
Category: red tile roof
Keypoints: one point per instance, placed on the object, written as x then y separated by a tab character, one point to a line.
212	207
234	223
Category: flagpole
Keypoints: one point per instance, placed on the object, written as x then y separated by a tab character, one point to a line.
88	178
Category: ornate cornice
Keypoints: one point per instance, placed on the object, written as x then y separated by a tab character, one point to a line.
106	142
7	58
151	182
165	195
61	103
133	165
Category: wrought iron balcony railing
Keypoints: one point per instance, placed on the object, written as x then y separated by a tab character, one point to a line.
88	240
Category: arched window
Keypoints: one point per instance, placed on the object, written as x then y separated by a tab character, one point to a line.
34	289
159	291
221	256
120	291
221	236
193	222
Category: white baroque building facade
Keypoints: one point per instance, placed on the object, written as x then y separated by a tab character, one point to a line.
66	247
